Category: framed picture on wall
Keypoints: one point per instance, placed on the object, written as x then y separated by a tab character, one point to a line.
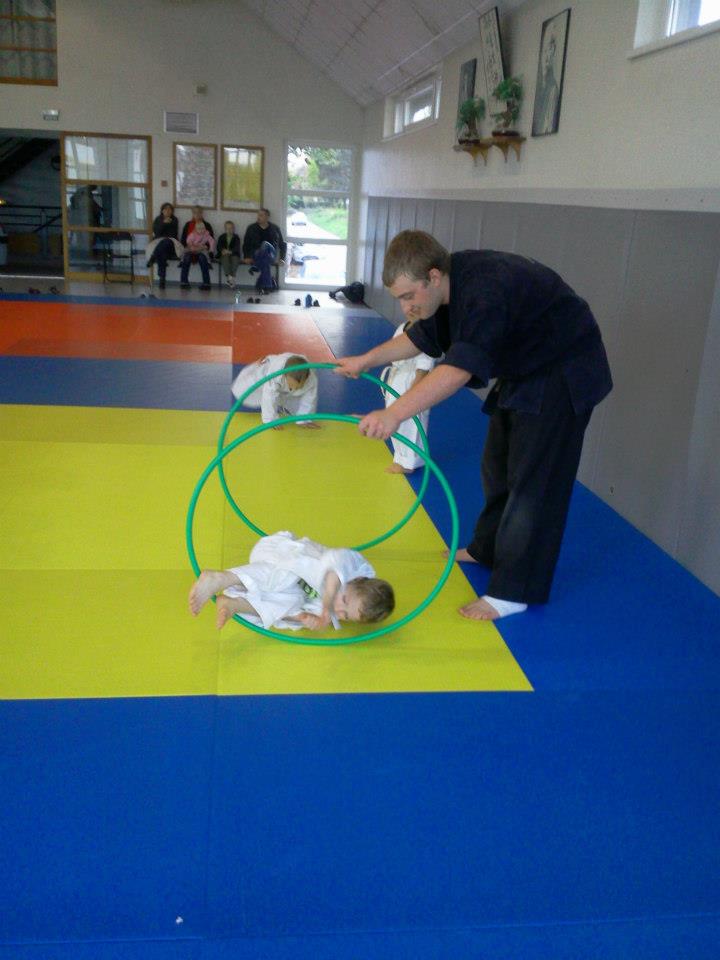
491	47
241	178
194	175
467	81
551	71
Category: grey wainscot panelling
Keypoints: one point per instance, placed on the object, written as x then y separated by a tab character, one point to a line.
652	279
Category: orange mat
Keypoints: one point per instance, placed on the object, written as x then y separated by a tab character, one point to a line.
47	325
257	334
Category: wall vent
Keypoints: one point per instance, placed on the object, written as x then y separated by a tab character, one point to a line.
181	122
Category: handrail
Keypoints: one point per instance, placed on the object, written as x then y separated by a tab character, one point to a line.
33	218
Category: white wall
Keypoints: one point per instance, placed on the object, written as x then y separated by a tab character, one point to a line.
633	132
122	63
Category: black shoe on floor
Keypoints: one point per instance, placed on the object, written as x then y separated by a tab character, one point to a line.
161	284
185	286
315	303
298	302
205	286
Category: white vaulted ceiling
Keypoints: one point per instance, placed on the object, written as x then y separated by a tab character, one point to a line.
373	47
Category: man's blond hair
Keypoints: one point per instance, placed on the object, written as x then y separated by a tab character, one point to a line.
377	599
414	254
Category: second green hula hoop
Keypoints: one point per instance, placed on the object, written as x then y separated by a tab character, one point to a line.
321	366
371	635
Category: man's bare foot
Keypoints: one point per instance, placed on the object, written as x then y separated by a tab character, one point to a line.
226	608
479	610
461	556
207	585
396	468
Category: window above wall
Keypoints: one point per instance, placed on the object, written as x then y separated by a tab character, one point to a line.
685	14
665	23
414	106
28	44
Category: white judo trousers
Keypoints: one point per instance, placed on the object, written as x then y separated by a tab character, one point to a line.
272	582
273	398
400	375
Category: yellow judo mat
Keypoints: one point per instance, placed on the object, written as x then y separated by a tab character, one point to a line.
96	575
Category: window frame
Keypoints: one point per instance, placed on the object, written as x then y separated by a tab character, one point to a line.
397	106
656	26
351	194
70	182
19	18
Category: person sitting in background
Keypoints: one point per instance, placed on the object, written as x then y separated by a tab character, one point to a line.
164	245
228	252
263	245
199	246
198	216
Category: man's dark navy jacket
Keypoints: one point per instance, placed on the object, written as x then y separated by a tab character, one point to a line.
514	319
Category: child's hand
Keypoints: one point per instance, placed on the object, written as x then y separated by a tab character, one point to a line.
314	622
279	426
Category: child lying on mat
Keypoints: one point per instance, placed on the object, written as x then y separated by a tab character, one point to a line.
288	394
292	583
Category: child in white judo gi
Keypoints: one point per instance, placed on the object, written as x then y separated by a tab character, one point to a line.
401	376
293	582
289	394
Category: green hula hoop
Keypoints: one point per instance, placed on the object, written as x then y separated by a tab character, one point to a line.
373	634
319	366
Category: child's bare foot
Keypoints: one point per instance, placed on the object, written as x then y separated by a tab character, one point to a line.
479	610
396	468
226	608
461	556
207	585
491	608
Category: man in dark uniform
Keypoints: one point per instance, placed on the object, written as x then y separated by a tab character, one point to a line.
498	315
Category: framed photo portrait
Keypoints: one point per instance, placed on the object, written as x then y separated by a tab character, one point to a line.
551	71
241	178
491	47
194	175
467	81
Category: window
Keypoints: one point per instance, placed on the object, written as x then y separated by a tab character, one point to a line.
107	209
685	14
319	192
663	23
28	45
415	105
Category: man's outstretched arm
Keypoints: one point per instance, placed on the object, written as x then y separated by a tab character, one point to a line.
439	384
397	348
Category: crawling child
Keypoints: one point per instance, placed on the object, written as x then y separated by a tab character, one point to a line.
402	375
292	582
288	394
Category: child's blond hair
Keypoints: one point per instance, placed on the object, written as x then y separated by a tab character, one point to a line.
377	598
299	375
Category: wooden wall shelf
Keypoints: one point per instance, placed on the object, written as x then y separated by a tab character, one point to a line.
482	147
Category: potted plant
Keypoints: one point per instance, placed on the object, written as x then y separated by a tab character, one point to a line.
509	92
470	112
